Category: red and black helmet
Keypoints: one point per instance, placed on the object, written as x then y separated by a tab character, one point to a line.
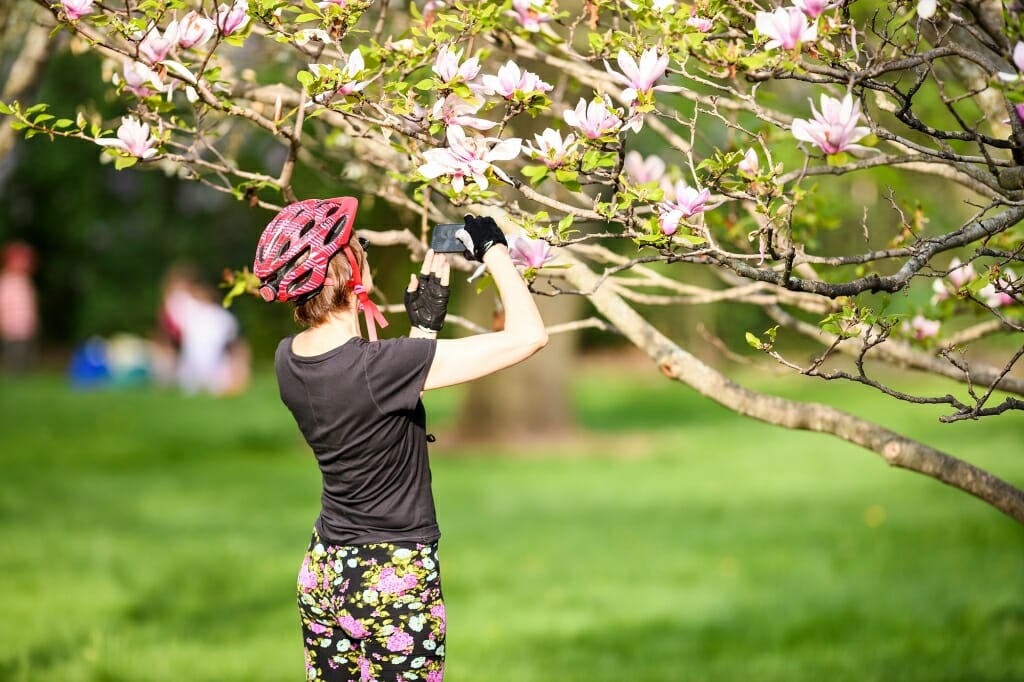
296	247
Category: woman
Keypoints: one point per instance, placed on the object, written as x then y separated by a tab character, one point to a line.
369	588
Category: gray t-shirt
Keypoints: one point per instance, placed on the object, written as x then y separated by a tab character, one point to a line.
358	406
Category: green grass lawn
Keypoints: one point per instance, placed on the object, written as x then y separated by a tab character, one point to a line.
150	536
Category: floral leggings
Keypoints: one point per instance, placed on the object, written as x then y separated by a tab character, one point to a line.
372	613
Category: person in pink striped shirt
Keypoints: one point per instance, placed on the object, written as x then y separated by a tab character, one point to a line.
19	319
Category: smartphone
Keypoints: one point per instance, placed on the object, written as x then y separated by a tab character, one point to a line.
444	241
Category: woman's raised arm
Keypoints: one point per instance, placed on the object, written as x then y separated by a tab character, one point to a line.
457	361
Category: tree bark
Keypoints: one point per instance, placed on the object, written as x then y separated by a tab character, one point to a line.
531	401
25	30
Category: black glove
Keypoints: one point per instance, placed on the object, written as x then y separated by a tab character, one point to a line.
478	235
427	305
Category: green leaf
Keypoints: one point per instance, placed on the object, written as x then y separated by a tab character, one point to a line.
535	173
753	341
568	178
755	61
5	109
691	239
838	159
425	84
63	123
307	16
123	162
306	78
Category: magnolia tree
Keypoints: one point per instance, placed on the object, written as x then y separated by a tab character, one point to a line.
629	148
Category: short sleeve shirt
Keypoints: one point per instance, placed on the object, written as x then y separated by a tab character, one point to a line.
358	406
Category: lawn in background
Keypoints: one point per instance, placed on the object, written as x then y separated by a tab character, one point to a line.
149	536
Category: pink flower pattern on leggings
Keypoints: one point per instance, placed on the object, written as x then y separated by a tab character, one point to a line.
370	608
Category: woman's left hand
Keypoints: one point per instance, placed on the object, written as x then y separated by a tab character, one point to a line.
426	298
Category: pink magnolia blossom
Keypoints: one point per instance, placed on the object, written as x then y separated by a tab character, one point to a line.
511	79
453	110
702	24
468	157
154	47
921	328
339	3
685	202
530	14
527	252
813	8
961	274
194	29
787	27
994	297
551	148
1018	55
354	67
133	138
595	119
75	9
1001	292
448	68
834	129
234	18
750	164
140	80
641	76
641	170
430	11
348	77
926	8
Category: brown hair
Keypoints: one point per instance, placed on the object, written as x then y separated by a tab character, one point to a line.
333	297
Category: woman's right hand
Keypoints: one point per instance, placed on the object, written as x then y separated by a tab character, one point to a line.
479	235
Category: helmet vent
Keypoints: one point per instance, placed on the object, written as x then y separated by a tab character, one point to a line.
336	229
307	227
299	281
284	248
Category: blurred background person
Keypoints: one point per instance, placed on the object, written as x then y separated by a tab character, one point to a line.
19	318
201	339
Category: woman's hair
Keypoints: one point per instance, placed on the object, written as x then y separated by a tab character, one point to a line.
334	296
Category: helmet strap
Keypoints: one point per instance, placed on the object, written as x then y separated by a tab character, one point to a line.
371	313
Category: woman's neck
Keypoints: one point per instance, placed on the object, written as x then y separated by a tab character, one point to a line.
333	332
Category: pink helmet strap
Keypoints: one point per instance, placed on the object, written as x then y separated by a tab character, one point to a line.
371	313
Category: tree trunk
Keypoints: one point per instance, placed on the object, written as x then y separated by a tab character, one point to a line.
531	400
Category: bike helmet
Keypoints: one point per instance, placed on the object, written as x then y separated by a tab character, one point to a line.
296	246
